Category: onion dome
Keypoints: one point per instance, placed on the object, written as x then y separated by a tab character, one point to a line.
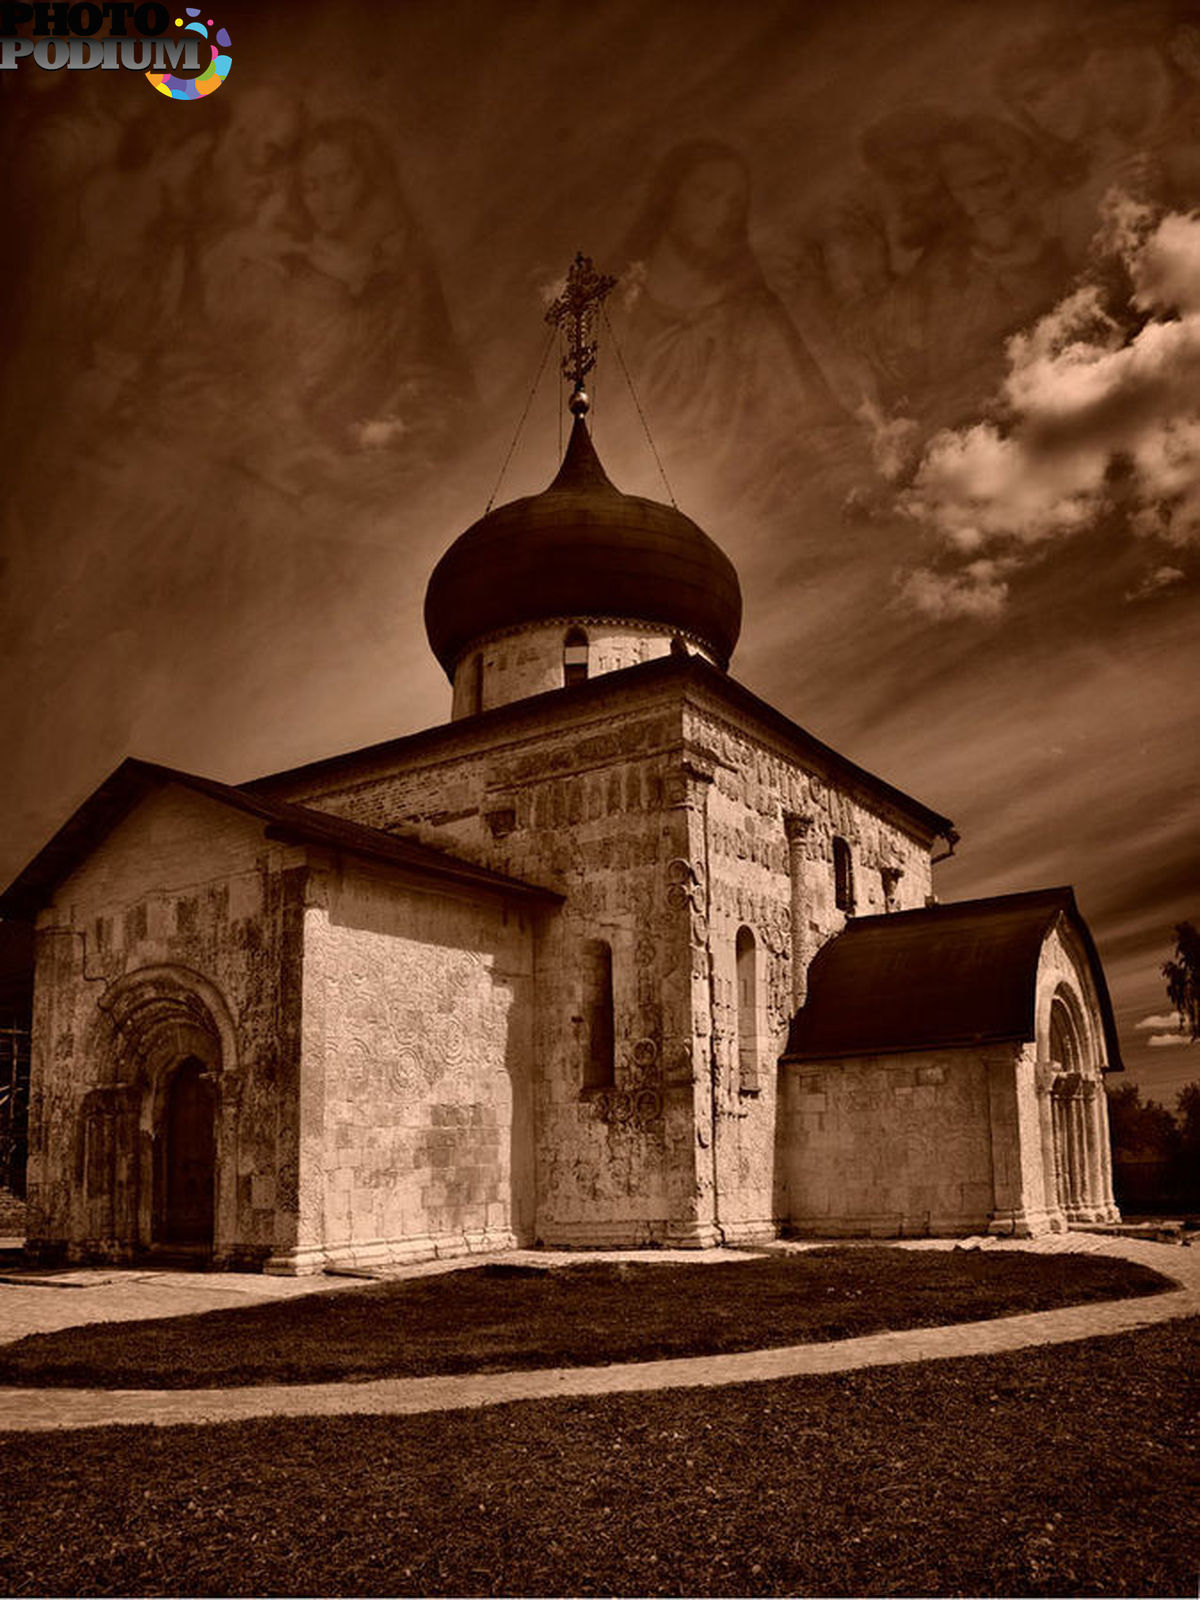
582	550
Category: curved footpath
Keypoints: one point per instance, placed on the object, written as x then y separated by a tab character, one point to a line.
27	1409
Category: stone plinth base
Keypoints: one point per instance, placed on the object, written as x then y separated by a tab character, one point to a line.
628	1235
391	1252
691	1235
296	1263
887	1226
1025	1224
761	1232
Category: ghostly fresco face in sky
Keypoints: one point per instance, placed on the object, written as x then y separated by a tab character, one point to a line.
333	187
980	178
899	151
910	298
708	212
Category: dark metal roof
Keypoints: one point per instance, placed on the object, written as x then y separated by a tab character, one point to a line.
958	974
133	780
536	711
581	548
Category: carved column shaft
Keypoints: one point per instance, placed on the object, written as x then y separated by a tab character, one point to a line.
1044	1081
1060	1152
798	829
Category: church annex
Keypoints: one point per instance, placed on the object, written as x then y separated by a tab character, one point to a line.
618	955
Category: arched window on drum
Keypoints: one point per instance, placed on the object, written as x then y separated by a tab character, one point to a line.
575	657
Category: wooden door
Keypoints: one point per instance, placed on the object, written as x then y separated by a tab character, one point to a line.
190	1158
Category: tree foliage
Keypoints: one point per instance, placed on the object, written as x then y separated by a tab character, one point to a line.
1182	973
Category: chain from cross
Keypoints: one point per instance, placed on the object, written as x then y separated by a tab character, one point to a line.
577	307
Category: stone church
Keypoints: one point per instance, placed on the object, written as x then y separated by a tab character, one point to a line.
619	955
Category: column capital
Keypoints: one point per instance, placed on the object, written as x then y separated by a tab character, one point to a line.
797	826
1044	1074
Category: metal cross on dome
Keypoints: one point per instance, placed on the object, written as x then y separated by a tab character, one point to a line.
577	308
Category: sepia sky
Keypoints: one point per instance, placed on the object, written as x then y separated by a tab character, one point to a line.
910	298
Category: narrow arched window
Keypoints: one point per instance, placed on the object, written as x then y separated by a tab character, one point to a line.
843	876
575	657
746	951
599	1062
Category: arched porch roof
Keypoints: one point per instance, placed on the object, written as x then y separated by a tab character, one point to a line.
949	975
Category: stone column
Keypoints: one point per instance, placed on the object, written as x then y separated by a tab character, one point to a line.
1044	1081
1060	1148
1078	1158
1091	1145
690	1120
1011	1106
229	1086
299	1186
798	828
1106	1209
1077	1152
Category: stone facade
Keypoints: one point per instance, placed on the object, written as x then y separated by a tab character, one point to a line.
416	1064
660	813
1008	1137
366	1039
180	937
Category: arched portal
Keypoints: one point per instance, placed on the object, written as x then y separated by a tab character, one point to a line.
187	1144
1074	1124
158	1141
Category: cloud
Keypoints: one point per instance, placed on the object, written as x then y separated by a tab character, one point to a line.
1155	581
1164	1040
1171	1019
1099	414
379	432
979	590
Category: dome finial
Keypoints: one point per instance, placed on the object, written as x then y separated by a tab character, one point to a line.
577	307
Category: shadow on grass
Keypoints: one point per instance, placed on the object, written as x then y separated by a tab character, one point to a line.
1063	1470
490	1318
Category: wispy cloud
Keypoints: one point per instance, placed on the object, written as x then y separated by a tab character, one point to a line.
1170	1019
1155	581
1099	414
1159	1040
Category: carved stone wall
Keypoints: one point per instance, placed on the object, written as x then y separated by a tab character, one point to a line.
888	1145
588	802
418	1050
761	872
663	823
180	936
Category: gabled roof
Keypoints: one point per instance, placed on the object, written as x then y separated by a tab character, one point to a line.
958	974
688	672
133	780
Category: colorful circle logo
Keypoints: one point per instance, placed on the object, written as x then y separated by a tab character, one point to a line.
215	72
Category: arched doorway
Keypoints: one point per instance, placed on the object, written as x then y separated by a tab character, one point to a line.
188	1147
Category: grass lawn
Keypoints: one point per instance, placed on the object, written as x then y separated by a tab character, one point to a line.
1068	1470
502	1317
